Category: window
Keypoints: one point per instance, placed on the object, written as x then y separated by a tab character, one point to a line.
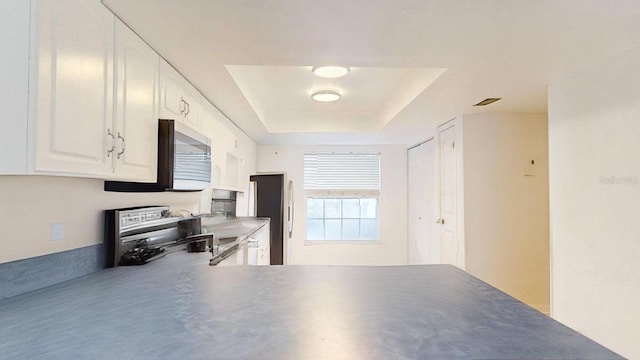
342	196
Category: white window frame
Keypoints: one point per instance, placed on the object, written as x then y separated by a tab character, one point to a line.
343	194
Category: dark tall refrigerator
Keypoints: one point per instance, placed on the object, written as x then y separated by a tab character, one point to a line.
270	196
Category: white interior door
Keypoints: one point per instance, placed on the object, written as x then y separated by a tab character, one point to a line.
448	195
424	243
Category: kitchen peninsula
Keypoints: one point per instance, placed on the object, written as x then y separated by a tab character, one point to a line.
180	307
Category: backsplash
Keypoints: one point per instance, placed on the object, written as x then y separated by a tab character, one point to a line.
22	276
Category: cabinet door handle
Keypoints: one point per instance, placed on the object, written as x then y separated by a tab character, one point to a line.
183	106
188	109
290	210
113	143
123	148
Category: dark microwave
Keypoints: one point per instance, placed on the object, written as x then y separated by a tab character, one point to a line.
184	162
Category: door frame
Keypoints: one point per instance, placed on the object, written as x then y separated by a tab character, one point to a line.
459	190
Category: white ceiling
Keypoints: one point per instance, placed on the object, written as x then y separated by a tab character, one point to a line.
248	58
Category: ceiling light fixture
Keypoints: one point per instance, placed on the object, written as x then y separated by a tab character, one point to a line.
325	95
331	71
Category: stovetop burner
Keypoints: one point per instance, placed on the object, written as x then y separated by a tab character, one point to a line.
140	255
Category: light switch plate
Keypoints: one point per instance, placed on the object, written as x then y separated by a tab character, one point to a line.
57	231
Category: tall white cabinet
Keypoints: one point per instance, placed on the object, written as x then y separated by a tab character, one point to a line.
86	97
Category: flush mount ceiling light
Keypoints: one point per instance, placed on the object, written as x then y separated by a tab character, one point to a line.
330	72
325	95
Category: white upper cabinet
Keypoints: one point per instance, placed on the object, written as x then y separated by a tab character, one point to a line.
179	100
14	85
228	160
74	87
136	118
82	94
194	100
172	104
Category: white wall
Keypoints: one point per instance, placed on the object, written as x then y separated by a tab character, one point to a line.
594	152
31	203
392	249
506	211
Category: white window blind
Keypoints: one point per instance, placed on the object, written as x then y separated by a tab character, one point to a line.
345	171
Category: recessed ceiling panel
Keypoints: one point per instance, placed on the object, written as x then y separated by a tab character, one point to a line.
370	97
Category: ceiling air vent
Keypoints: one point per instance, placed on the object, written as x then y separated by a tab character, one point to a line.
487	101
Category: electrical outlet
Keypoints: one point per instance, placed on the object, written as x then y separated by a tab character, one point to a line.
531	168
57	231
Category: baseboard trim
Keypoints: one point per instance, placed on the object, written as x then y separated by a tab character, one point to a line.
545	309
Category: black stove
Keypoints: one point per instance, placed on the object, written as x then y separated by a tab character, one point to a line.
136	236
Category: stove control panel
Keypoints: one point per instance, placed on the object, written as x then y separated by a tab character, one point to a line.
137	216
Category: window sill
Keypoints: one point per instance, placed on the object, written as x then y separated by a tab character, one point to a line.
342	242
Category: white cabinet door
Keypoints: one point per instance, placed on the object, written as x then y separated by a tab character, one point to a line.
264	249
209	128
220	139
226	156
14	85
179	100
137	74
193	112
172	102
232	171
74	87
253	255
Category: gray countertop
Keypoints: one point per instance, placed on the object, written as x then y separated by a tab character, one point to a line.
179	307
